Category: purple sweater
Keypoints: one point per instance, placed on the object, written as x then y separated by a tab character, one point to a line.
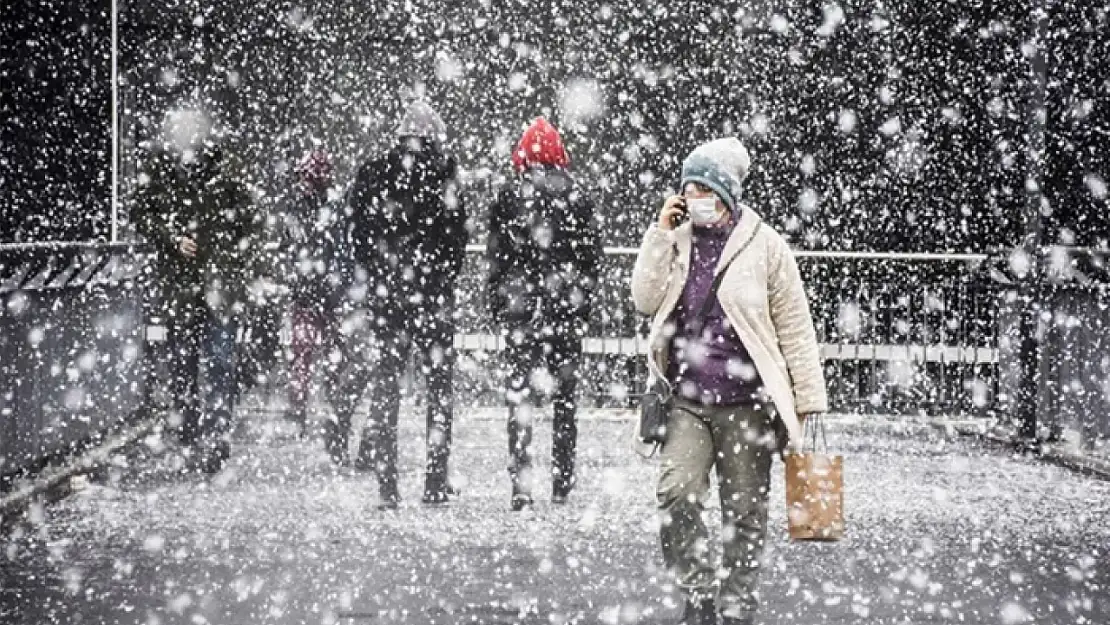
713	368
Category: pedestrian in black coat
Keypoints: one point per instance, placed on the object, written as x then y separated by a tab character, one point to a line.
408	238
544	256
193	207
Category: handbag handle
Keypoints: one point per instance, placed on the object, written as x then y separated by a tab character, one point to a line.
813	428
636	446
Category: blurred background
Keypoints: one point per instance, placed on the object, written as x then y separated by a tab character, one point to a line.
890	126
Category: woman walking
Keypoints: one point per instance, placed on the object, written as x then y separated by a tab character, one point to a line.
744	368
313	246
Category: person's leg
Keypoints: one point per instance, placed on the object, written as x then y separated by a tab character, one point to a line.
184	328
339	363
745	442
219	405
348	382
389	352
685	461
351	366
437	359
523	352
306	341
565	359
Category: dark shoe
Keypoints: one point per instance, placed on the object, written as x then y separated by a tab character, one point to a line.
436	498
725	620
335	444
215	457
561	490
521	498
366	455
297	415
436	490
520	501
700	612
390	498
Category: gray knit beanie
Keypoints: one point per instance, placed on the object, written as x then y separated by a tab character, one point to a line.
421	120
722	165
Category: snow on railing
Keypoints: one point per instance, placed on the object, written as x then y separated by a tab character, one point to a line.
477	248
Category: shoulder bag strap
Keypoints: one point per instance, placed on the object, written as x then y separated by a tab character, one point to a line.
707	303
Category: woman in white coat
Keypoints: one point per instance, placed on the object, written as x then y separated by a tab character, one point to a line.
745	371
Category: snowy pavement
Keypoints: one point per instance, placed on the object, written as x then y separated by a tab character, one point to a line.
940	530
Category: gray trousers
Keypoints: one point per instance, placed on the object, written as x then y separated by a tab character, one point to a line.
740	441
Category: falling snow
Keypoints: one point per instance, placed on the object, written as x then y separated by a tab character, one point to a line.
333	209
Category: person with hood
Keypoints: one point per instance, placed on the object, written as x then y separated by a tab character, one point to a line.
313	244
193	206
409	239
744	367
544	256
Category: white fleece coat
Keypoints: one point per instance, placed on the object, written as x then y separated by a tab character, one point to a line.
764	299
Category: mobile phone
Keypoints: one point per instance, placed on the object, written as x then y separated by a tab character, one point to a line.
677	220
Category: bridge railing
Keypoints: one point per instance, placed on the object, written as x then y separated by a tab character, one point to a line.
899	332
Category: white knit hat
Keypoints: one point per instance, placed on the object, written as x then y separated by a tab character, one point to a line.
421	120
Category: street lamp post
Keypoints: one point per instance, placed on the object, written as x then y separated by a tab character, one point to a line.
1032	298
115	123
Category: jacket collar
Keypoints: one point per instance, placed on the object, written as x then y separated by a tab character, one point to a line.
749	219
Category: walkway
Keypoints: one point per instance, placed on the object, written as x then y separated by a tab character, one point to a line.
941	531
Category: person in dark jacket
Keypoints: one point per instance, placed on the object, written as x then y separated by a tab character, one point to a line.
409	238
313	241
544	256
193	206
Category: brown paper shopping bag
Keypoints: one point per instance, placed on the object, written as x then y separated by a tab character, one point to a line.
815	489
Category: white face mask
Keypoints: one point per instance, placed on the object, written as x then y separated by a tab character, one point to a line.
703	210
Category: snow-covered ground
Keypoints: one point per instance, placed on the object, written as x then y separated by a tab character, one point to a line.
939	530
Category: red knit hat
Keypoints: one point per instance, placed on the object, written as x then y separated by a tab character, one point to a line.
540	145
315	169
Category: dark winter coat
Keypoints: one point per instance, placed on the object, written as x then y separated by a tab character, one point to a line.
543	251
314	251
408	231
207	201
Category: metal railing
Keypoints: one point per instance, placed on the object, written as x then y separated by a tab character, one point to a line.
52	265
71	347
899	332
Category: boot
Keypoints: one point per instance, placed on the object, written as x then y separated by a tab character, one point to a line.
520	467
367	453
561	489
436	489
389	496
520	477
299	416
565	442
521	500
562	474
214	456
699	612
335	442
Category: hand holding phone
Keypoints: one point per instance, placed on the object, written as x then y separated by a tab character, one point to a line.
187	246
674	212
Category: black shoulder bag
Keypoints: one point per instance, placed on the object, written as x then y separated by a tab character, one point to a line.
655	403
